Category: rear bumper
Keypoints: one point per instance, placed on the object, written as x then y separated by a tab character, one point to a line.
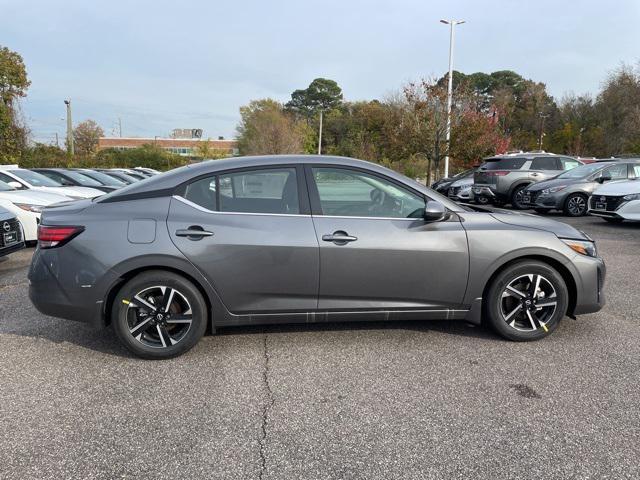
53	293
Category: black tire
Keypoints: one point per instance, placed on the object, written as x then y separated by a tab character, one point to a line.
614	219
520	327
516	197
575	205
482	200
156	338
542	211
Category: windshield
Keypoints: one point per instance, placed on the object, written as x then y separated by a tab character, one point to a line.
583	171
5	187
103	178
82	179
34	178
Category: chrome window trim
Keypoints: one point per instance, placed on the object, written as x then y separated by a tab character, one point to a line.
206	210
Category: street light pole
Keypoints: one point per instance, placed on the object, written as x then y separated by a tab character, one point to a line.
320	135
70	148
452	24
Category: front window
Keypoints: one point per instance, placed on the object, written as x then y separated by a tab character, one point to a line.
5	187
569	163
345	192
616	172
34	178
82	179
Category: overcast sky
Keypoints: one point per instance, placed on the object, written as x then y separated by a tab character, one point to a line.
160	64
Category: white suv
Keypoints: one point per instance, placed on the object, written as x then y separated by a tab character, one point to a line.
617	201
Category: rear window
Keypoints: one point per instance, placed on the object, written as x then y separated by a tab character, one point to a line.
545	163
504	164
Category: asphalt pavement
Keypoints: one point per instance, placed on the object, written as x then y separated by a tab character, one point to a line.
406	400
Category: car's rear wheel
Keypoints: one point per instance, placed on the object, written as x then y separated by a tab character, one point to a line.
575	205
516	198
526	301
159	315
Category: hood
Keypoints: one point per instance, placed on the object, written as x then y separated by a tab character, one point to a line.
554	182
620	187
77	192
33	197
527	220
463	182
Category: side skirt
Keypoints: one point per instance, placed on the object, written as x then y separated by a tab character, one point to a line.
349	316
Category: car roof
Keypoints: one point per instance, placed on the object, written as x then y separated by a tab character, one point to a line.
521	154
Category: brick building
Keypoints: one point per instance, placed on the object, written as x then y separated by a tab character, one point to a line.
187	147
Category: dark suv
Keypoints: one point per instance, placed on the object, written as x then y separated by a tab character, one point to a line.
503	178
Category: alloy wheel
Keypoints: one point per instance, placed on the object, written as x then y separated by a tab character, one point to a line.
528	303
159	316
577	205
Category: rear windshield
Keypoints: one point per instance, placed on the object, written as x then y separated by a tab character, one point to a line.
503	164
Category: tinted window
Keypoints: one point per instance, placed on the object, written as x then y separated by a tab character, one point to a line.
616	172
544	163
345	192
82	179
636	170
203	193
104	179
504	164
6	178
5	187
56	177
260	191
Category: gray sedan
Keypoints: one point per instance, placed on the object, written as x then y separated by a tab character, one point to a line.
260	240
570	191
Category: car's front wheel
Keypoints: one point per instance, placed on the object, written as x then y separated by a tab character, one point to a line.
159	314
575	205
526	301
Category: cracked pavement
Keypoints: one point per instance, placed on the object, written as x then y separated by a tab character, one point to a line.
389	400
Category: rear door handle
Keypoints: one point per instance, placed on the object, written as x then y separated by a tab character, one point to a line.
193	233
339	238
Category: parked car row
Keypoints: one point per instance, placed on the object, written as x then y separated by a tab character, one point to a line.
24	193
546	181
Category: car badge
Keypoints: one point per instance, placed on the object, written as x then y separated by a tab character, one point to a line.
6	226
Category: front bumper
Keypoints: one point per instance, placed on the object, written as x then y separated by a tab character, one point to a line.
623	210
537	199
589	278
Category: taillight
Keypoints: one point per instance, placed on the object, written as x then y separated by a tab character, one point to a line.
55	236
497	173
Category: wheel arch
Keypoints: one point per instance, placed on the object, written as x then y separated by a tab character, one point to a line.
212	301
522	183
564	272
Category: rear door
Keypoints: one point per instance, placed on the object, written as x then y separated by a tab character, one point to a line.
376	251
543	168
251	234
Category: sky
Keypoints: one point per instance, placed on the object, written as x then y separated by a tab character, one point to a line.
158	65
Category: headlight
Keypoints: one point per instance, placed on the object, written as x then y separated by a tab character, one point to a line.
554	189
583	247
632	196
30	208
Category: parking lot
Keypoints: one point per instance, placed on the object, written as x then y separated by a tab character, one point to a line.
358	401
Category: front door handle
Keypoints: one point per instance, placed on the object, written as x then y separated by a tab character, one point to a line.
339	237
193	233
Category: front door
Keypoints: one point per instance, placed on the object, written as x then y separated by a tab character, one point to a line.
250	233
377	251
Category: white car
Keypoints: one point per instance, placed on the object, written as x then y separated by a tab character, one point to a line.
27	205
617	201
23	179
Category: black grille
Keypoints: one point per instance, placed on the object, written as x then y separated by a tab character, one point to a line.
14	226
612	203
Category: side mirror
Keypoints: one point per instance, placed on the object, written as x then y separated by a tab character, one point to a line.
604	178
16	185
434	211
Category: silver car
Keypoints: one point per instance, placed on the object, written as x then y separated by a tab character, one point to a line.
570	191
259	240
503	178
